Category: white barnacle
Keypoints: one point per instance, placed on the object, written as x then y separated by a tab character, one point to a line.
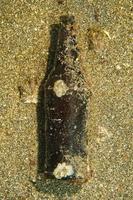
63	170
60	88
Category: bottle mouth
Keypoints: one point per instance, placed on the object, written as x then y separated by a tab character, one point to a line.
66	19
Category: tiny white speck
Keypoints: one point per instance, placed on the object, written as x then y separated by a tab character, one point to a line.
118	67
75	127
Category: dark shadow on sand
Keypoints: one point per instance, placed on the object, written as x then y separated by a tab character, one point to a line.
41	95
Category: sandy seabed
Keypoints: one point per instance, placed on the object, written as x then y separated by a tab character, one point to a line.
104	30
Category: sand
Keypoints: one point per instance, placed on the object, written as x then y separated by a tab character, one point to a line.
104	30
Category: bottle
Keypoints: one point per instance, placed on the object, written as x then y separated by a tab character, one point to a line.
66	109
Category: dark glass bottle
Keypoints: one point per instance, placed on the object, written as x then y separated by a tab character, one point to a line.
66	108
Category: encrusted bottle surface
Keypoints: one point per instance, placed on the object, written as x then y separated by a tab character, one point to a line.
66	98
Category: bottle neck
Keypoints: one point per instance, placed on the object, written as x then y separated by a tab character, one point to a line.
67	51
